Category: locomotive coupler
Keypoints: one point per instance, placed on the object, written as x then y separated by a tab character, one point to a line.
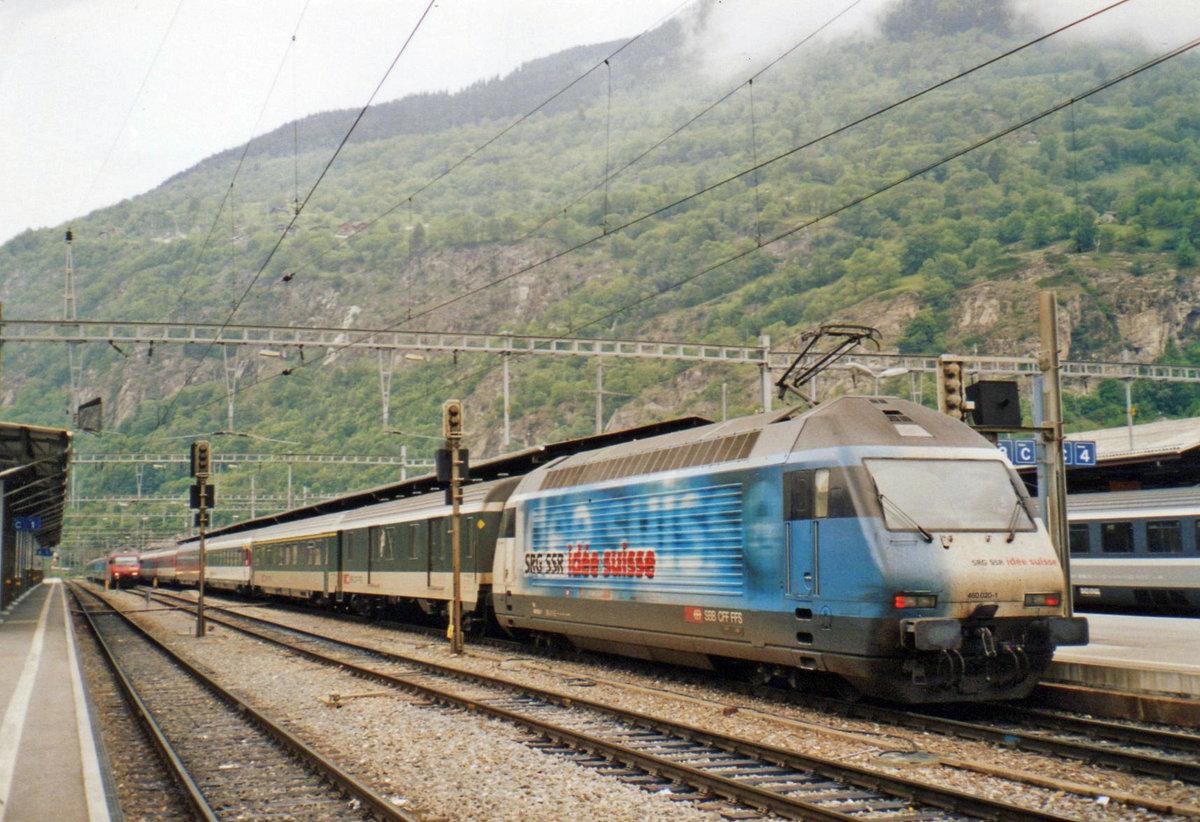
988	641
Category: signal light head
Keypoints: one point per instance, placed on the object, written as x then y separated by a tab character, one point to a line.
452	419
950	389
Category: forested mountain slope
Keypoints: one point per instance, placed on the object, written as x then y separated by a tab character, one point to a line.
625	207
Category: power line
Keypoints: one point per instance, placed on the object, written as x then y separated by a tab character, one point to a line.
200	253
905	178
300	207
753	168
132	105
656	212
495	138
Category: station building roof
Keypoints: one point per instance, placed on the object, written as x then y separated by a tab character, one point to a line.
1156	454
34	464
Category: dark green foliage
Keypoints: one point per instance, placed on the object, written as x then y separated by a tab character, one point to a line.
426	221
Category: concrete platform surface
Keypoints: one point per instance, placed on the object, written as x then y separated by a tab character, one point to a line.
1143	654
49	765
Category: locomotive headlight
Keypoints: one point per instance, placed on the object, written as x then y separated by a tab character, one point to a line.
915	600
1043	600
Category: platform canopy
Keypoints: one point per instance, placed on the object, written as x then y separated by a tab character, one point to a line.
1163	453
33	471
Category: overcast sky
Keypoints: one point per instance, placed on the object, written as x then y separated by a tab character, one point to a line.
104	99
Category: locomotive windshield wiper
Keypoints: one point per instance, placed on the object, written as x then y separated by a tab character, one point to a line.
928	537
1012	520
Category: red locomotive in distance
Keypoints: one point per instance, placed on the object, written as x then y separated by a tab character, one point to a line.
120	569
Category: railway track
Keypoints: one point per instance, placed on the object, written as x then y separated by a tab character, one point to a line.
231	761
639	747
1138	749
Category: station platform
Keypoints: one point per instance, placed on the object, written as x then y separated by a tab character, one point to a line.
49	763
1150	665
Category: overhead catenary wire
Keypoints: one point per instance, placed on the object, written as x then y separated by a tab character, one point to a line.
300	207
853	202
478	149
609	174
190	278
753	169
132	106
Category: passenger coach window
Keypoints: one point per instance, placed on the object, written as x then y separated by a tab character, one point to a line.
1080	538
1164	536
1116	537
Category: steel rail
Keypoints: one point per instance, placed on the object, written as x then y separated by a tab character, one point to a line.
1036	743
298	748
895	786
166	751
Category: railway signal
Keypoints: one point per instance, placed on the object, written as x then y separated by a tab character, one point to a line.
203	497
452	427
951	393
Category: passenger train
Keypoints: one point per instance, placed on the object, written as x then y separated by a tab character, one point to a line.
867	539
120	569
1136	550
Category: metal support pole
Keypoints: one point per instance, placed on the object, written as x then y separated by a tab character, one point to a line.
507	428
599	396
1129	410
456	639
1056	491
203	517
452	430
232	374
387	367
765	373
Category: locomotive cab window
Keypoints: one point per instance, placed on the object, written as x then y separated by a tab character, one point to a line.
949	495
819	493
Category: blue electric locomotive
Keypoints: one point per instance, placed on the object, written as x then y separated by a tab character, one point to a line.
869	538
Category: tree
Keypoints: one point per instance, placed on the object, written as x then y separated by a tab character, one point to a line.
1185	254
924	334
1085	231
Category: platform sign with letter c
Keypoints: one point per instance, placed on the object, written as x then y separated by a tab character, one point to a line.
1019	452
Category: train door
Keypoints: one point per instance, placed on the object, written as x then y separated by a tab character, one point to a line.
431	533
337	546
801	497
355	552
374	535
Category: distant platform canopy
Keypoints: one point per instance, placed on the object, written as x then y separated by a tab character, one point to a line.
1165	453
34	464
